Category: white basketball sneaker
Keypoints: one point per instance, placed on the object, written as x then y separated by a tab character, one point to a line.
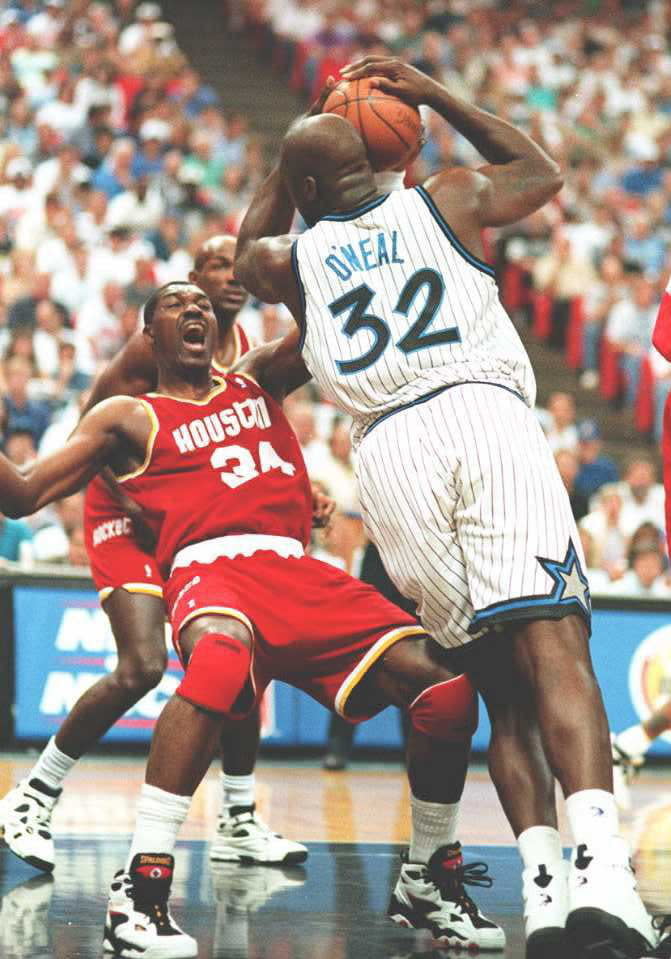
25	823
545	894
606	916
138	924
243	837
433	897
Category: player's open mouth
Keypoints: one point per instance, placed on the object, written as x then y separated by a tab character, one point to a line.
194	333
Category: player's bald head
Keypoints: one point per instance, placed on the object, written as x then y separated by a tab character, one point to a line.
214	246
323	161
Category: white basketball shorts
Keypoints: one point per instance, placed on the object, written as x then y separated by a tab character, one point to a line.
462	496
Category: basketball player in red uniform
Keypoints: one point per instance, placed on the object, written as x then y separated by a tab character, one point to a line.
218	473
130	587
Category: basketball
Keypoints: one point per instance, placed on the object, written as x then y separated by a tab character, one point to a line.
390	128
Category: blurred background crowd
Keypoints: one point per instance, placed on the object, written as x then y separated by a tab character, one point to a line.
117	159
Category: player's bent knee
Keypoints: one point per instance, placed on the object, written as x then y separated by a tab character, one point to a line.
141	677
447	711
217	673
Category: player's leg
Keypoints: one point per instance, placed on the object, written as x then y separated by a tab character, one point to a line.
138	626
553	662
242	836
216	651
432	888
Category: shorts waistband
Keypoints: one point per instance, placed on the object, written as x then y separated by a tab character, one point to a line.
230	547
433	393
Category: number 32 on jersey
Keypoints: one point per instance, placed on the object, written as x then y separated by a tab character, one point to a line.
355	303
242	466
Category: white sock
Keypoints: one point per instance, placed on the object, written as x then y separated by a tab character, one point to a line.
53	766
593	816
434	825
237	791
539	845
159	817
634	741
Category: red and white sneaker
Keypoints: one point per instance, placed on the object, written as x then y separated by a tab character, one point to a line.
138	922
433	897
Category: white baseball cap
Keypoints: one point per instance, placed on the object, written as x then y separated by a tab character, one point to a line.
18	166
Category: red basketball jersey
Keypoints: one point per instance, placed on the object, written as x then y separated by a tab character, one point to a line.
100	504
225	465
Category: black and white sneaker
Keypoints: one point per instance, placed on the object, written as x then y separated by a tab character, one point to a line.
607	918
138	922
545	894
25	822
433	897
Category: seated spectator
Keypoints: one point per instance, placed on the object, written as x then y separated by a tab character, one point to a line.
315	451
595	469
139	209
15	536
629	328
645	573
558	422
567	464
20	412
597	302
642	497
337	471
562	275
98	334
603	526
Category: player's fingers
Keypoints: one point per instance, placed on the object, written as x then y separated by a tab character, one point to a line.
372	68
363	62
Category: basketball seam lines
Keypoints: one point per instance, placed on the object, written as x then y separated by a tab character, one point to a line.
387	123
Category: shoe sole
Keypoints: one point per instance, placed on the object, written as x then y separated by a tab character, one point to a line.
35	861
162	952
550	943
291	859
444	938
601	935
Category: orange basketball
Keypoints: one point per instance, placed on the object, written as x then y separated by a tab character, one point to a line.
390	128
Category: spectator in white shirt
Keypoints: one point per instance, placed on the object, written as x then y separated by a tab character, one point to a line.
629	328
98	327
559	422
73	285
16	196
47	25
602	524
642	497
139	34
139	208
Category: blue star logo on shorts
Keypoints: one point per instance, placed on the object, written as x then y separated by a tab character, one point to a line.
570	583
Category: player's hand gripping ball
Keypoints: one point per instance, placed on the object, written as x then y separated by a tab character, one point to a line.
390	129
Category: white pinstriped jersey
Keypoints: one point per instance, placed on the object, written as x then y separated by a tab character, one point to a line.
395	307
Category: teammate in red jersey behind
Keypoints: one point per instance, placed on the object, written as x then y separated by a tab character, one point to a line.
218	472
131	591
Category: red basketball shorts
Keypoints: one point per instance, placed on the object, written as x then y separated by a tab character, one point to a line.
313	626
116	560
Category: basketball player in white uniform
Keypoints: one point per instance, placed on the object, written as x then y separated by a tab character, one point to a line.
400	324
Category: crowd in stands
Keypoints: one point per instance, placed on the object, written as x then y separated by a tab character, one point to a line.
591	82
117	161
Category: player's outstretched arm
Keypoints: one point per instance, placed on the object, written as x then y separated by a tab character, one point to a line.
520	178
131	372
277	367
117	431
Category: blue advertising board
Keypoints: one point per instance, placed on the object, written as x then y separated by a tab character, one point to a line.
63	644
